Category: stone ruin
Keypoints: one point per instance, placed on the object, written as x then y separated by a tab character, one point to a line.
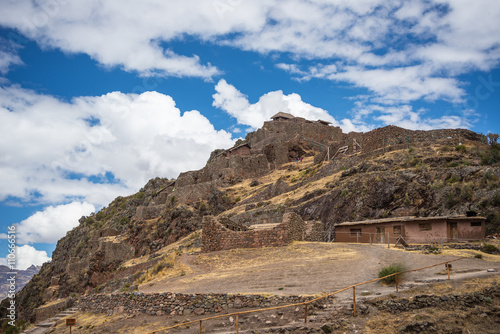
284	139
223	233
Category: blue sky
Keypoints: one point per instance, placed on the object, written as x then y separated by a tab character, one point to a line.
97	97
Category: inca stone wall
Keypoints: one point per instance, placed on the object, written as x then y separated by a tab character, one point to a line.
180	304
45	312
216	236
275	131
315	231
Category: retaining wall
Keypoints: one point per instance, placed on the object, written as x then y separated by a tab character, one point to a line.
180	304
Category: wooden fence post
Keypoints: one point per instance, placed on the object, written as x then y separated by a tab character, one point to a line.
354	300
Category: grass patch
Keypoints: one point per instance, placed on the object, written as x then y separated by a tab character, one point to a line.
490	249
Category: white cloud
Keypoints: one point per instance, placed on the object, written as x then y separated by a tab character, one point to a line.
231	100
52	223
8	59
443	38
406	117
26	256
51	150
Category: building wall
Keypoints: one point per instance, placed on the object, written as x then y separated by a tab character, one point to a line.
466	231
412	231
438	232
244	150
368	233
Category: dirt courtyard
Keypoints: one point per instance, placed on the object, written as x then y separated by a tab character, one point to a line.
304	268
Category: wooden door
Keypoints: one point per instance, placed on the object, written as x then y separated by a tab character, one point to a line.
453	231
380	234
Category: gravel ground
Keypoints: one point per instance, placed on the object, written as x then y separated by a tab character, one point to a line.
307	268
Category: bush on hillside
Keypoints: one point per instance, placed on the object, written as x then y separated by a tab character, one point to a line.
391	269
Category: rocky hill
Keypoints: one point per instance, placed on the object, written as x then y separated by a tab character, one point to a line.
22	278
387	172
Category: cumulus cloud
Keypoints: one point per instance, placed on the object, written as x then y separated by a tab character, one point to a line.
26	256
449	35
236	104
52	223
95	148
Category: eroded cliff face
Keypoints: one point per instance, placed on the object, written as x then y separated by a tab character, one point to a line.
259	180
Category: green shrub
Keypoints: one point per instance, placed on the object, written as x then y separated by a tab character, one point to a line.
445	148
452	179
478	256
407	200
495	199
139	195
460	148
490	249
391	269
450	199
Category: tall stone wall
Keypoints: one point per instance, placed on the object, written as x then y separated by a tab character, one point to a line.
315	231
275	131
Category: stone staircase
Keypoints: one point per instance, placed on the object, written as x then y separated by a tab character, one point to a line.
47	324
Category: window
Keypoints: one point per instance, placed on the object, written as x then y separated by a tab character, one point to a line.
425	227
355	232
476	224
396	230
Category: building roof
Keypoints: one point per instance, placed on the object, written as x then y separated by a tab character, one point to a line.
238	147
409	219
283	115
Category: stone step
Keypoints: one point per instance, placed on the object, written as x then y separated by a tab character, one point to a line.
66	313
46	324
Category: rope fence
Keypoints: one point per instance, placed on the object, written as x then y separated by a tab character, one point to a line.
305	304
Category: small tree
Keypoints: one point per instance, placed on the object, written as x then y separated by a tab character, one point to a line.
493	137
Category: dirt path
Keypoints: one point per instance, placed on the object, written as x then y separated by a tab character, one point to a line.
305	268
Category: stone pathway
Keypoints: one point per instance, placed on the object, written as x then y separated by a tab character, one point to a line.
46	325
